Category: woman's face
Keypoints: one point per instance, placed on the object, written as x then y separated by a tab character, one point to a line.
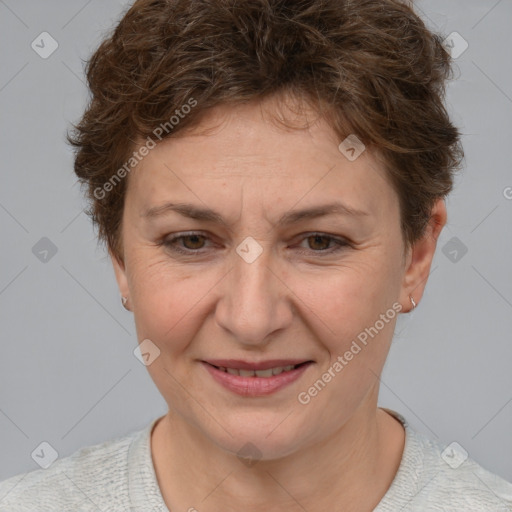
251	283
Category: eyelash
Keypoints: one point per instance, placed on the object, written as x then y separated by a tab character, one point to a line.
170	243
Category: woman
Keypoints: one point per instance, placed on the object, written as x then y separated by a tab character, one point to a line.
269	179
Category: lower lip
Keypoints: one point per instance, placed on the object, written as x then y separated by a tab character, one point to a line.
255	386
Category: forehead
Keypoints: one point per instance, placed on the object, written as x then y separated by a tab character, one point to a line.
243	146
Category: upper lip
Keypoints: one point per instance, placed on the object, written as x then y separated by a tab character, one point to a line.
260	365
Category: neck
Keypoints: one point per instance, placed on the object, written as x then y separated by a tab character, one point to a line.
350	470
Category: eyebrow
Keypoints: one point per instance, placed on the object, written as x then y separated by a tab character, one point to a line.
206	214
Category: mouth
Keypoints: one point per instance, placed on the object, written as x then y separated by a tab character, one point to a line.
269	372
256	379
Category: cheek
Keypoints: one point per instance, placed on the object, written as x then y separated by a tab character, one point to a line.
347	297
354	318
353	309
166	299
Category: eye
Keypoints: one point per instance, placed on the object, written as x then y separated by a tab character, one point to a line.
192	242
320	242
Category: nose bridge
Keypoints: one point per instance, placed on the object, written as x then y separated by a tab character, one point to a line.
251	306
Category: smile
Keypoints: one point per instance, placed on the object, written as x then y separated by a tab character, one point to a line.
258	373
260	380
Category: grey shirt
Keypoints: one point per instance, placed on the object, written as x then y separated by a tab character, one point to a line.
118	476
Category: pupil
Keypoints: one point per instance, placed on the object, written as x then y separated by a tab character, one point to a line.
196	237
316	238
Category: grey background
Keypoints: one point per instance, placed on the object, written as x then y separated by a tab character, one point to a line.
68	375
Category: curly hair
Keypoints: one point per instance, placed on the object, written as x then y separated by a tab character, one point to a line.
370	66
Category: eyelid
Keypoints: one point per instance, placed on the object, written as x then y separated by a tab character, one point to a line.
339	241
170	240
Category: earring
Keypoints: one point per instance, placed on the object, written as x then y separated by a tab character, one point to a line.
124	300
412	302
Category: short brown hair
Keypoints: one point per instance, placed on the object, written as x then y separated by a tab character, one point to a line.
373	63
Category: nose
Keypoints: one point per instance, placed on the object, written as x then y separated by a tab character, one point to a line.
255	302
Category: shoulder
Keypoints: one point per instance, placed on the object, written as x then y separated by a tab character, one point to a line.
458	482
435	476
81	481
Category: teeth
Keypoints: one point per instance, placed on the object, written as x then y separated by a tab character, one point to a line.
258	373
263	373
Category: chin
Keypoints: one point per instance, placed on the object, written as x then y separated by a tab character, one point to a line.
264	436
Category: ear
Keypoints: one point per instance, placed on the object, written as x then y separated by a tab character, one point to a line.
120	272
420	256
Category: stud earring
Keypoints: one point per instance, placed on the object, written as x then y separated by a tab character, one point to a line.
124	300
412	302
